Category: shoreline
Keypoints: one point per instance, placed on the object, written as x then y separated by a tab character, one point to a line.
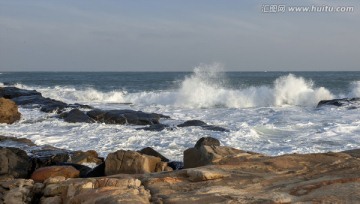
212	174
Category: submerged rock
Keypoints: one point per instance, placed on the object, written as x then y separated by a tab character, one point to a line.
13	141
203	125
191	123
154	127
8	111
77	116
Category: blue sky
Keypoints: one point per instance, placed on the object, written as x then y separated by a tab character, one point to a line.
175	35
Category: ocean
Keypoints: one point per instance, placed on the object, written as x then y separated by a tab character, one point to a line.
267	112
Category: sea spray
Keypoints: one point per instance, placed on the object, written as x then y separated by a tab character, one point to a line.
354	89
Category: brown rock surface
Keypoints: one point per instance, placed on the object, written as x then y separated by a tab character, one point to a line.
16	191
40	175
309	178
8	111
130	162
96	190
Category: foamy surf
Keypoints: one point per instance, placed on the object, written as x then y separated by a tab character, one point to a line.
274	118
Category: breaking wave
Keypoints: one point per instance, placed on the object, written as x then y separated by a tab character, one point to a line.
206	88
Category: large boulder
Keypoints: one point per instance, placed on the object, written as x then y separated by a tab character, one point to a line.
14	162
130	162
207	152
8	111
40	175
125	117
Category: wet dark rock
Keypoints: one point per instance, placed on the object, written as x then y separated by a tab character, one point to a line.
98	171
176	165
77	105
45	104
13	141
151	152
209	141
190	123
353	102
77	116
34	99
14	162
124	117
49	157
203	125
13	92
155	127
214	128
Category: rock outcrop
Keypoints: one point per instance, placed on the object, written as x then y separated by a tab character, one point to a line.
224	175
9	112
125	117
32	98
207	151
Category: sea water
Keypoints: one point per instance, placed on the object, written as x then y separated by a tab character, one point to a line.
268	112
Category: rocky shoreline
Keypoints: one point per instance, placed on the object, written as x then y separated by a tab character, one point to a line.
209	173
